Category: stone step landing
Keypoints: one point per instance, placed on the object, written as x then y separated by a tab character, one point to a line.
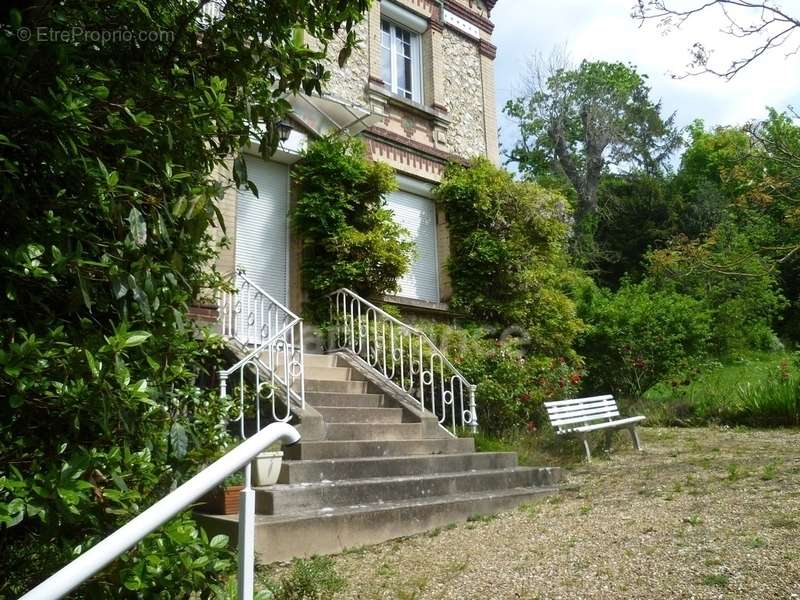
381	472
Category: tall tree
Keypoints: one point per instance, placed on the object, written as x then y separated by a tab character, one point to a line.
579	122
763	23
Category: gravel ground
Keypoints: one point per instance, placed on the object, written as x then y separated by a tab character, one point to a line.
702	513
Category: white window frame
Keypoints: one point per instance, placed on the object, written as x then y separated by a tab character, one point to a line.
400	19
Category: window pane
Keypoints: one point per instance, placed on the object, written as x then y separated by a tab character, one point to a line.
386	66
406	77
386	34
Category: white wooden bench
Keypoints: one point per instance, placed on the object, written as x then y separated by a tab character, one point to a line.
581	416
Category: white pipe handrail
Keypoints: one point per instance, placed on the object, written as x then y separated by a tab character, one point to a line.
98	556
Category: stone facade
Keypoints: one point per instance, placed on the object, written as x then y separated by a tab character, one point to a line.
454	120
463	95
349	82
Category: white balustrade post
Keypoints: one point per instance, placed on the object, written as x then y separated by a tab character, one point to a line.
223	384
247	538
473	411
302	369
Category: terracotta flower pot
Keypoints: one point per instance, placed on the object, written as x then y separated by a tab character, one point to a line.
222	501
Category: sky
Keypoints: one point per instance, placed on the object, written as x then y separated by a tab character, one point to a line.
604	30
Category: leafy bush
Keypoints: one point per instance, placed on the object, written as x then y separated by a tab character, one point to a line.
179	558
311	579
761	390
511	384
738	286
508	263
108	194
349	236
638	335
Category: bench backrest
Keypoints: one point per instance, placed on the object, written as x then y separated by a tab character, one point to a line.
566	414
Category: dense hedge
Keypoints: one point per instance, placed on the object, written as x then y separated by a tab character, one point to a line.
508	261
107	192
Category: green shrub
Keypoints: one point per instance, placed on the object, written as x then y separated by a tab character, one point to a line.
638	335
761	390
111	156
350	238
310	579
511	383
738	285
771	403
508	263
179	558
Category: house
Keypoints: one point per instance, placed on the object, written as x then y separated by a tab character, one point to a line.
380	411
420	91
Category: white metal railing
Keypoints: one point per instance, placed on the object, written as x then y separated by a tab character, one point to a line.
273	369
405	357
99	555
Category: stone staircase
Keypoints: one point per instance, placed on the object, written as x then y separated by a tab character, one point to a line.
381	471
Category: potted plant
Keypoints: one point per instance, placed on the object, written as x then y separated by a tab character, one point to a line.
224	500
267	466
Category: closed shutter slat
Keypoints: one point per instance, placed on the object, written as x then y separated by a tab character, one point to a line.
261	227
418	215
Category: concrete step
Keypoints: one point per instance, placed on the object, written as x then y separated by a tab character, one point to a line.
331	530
306	471
337	386
304	497
334	399
327	373
316	360
328	449
333	414
377	431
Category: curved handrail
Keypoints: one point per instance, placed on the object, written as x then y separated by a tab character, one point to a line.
403	356
252	317
98	556
253	354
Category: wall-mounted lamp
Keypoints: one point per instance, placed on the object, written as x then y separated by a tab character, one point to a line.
284	131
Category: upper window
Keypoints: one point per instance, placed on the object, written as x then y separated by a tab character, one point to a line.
400	60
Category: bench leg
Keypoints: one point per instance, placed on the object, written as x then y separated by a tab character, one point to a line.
635	438
586	447
608	434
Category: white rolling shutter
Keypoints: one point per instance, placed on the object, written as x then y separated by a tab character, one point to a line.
261	227
418	215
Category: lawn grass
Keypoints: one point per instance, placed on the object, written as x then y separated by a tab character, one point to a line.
759	389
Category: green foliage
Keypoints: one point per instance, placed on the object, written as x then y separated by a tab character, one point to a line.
179	558
107	196
511	383
349	236
312	579
761	390
508	263
636	214
638	335
743	302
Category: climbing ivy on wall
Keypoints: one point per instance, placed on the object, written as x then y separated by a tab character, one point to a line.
349	236
508	263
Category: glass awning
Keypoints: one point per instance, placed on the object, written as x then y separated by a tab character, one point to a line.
328	114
